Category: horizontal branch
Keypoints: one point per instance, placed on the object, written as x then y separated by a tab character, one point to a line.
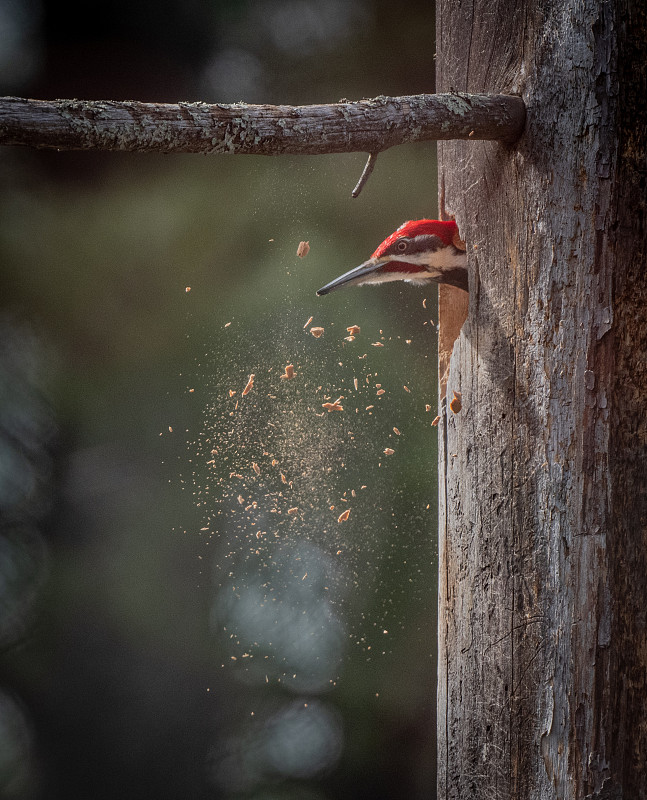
368	126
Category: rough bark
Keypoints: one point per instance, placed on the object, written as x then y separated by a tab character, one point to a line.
364	126
543	522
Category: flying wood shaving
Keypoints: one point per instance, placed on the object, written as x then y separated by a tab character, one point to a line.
256	468
436	421
388	451
289	372
250	384
336	406
293	511
377	344
353	330
303	249
307	323
344	515
317	332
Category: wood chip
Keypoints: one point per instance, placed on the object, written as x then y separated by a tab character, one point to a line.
317	332
289	372
353	330
307	323
456	403
396	431
344	515
388	451
256	468
436	421
336	406
250	384
303	249
293	511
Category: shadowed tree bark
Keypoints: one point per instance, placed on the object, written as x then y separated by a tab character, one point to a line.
543	521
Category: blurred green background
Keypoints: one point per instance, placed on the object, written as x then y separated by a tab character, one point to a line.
169	630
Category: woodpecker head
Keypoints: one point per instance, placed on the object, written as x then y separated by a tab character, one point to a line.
419	251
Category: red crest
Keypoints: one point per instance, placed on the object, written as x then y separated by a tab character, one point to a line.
444	230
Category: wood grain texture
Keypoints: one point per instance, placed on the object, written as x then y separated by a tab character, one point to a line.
453	304
452	313
364	126
543	520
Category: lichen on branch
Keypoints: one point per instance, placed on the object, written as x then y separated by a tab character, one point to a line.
369	126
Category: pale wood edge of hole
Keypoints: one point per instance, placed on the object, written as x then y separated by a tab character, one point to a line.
453	304
452	313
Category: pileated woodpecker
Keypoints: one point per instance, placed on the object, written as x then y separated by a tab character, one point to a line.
419	251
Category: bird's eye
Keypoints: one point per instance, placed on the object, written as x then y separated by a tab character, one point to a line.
402	245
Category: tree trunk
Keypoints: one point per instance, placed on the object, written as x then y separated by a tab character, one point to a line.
543	520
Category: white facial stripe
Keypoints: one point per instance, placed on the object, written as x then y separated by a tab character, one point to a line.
447	258
385	277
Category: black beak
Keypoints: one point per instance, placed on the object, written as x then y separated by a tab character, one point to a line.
381	270
354	277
